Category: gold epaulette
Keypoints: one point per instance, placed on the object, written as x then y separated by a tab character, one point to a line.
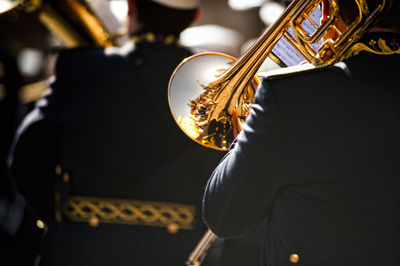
173	216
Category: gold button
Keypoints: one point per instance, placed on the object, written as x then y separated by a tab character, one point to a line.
170	39
66	177
40	224
173	228
58	170
94	221
294	258
150	37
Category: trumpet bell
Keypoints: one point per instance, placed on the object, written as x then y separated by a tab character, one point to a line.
193	100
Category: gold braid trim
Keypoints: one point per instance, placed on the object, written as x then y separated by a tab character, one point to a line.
376	47
132	212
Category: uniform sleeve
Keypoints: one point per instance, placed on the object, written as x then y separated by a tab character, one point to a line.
241	190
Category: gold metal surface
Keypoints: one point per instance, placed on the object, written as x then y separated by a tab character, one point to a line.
294	258
90	22
331	52
173	228
60	27
221	105
216	114
199	253
94	221
74	22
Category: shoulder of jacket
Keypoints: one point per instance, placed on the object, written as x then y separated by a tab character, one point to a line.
293	71
96	52
79	51
75	57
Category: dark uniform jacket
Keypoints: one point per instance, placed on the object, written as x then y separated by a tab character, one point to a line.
103	151
318	158
10	82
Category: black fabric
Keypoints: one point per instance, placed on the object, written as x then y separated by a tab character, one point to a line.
19	236
10	82
318	158
107	122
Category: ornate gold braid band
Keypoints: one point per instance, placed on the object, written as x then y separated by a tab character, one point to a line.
132	212
374	46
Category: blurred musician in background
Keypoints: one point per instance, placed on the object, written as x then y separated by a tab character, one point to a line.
10	83
318	157
12	205
19	234
101	159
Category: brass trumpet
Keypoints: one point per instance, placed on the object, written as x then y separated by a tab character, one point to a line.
210	94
